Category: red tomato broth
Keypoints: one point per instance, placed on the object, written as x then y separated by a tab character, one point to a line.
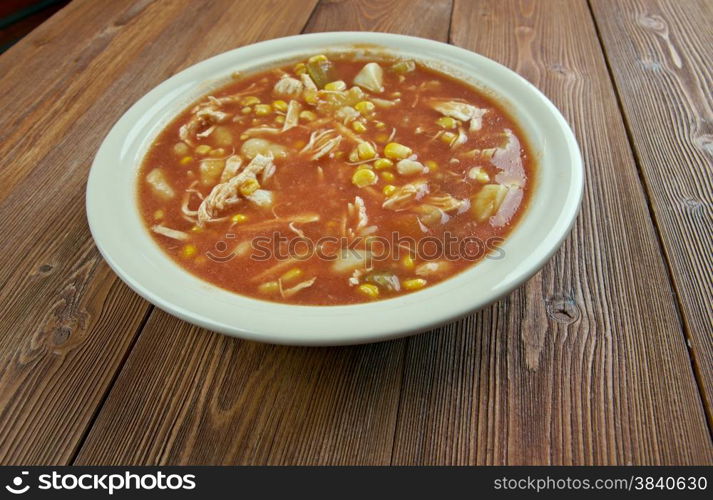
299	188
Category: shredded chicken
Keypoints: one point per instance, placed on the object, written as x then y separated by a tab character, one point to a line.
296	230
185	202
432	268
292	115
225	194
476	120
308	83
206	132
448	203
253	88
204	115
406	194
347	114
170	233
273	270
349	260
265	224
385	103
460	139
288	87
254	131
232	166
287	293
461	111
321	143
362	219
355	277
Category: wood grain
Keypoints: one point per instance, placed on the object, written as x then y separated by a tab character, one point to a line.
585	364
660	54
67	322
276	405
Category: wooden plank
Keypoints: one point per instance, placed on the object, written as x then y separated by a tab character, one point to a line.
660	54
278	405
66	321
586	363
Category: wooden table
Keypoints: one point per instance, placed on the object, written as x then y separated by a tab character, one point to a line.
604	357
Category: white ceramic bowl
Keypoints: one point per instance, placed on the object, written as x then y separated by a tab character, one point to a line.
129	249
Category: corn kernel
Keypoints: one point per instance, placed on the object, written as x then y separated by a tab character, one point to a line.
383	163
292	275
409	167
188	251
249	100
158	214
397	151
269	287
432	165
300	69
365	151
239	218
336	85
389	189
246	110
358	127
181	149
263	109
478	174
369	290
383	138
379	125
446	122
364	177
186	160
317	58
217	152
307	115
388	176
311	96
203	149
196	229
408	262
447	137
414	284
279	105
249	187
364	107
279	119
353	156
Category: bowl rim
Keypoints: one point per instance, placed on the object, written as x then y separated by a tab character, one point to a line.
314	325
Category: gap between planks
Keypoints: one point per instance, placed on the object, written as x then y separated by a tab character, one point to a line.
407	341
695	365
139	331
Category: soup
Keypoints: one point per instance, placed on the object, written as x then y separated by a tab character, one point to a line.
337	180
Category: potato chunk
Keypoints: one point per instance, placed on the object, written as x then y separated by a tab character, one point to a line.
487	201
210	170
371	77
159	184
257	146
